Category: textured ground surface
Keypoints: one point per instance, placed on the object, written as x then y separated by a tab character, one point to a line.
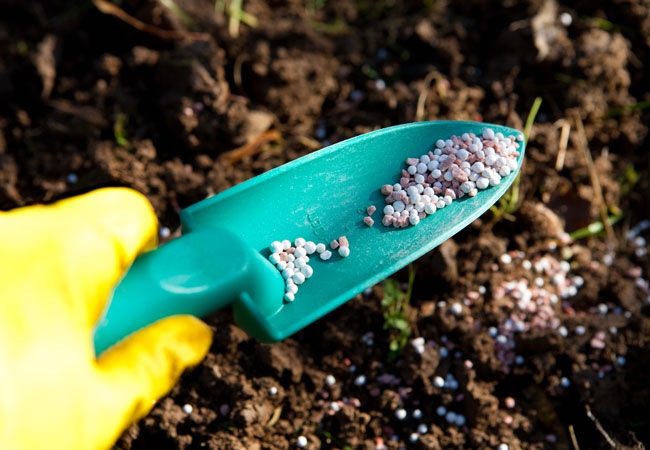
86	100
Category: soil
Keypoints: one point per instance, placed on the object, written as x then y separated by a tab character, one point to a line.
87	100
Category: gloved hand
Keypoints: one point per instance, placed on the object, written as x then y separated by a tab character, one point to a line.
58	265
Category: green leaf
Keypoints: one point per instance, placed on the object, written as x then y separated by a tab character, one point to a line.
400	324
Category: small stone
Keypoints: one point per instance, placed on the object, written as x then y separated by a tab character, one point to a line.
187	408
301	442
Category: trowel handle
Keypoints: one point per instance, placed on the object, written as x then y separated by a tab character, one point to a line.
196	274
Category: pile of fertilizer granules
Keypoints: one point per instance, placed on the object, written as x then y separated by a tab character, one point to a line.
293	260
457	167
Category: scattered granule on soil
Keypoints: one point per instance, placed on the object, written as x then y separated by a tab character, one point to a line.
533	300
457	167
538	298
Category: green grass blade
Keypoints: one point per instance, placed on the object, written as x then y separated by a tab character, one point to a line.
594	228
220	6
532	114
174	8
510	200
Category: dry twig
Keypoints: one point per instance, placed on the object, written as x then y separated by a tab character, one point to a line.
600	428
277	412
237	69
574	440
252	147
422	99
564	142
115	11
595	182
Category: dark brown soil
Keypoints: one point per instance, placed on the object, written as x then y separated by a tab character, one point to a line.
86	100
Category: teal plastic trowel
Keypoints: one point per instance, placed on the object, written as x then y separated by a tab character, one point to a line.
222	257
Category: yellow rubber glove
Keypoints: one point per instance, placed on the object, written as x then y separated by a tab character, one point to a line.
58	265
